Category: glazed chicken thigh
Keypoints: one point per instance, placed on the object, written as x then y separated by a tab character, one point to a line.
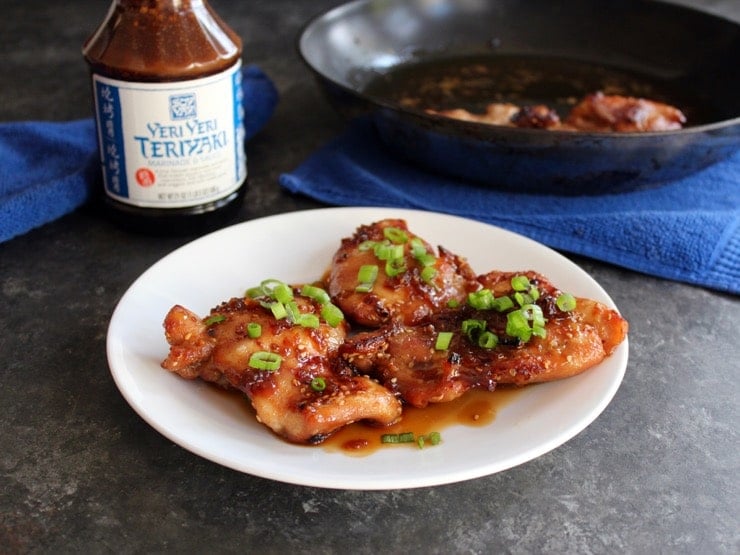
288	371
405	281
485	348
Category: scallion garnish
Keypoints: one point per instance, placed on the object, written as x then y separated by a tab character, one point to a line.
388	252
502	304
443	340
417	248
282	293
332	314
315	293
520	283
254	330
525	322
265	360
215	319
481	300
278	310
472	328
517	326
406	437
426	259
395	234
434	438
308	321
487	340
318	384
566	302
366	276
428	273
395	267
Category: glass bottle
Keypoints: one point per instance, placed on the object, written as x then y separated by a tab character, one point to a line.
166	78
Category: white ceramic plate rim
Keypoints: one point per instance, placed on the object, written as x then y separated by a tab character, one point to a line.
297	247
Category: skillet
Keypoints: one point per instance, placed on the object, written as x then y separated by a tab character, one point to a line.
372	56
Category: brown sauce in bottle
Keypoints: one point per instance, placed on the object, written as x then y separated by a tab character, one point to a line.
185	167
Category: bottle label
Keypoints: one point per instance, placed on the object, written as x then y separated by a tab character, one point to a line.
171	145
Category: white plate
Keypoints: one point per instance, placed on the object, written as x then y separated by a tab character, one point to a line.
297	247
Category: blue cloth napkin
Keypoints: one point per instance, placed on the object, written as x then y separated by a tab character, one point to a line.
48	169
686	231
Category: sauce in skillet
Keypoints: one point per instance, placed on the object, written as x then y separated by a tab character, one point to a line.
473	82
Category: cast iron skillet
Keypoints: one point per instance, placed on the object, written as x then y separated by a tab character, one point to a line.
368	54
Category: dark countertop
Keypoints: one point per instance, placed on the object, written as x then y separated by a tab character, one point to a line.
81	472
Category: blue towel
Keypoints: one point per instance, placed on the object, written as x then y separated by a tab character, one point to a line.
47	169
686	231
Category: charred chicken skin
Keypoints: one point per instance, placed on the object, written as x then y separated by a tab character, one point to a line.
405	281
288	371
485	348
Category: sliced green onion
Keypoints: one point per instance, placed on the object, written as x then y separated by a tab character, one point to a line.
502	304
308	321
417	248
254	330
291	311
265	360
426	259
520	283
471	327
534	292
406	437
388	252
534	313
453	303
524	298
428	274
318	384
566	302
525	322
395	267
332	315
367	246
215	319
481	300
315	293
366	276
487	340
282	293
395	234
517	325
432	437
278	310
254	292
443	340
367	273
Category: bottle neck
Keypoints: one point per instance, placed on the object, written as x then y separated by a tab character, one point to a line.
164	5
161	40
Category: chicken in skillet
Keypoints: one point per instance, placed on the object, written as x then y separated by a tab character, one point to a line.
278	347
603	113
596	112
